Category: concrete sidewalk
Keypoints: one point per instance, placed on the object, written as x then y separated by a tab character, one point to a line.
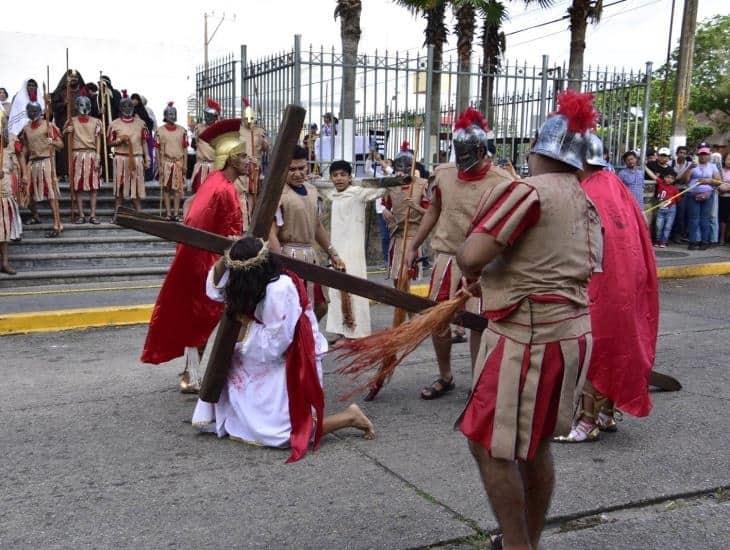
99	452
64	307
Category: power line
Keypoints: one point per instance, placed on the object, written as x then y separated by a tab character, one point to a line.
603	19
563	18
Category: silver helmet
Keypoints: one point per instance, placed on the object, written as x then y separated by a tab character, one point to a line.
126	107
212	111
83	105
33	110
170	113
403	161
594	151
555	141
564	135
471	139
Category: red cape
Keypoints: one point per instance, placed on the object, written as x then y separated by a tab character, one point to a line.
624	299
183	315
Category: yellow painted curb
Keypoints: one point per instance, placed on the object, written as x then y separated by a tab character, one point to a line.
699	270
68	319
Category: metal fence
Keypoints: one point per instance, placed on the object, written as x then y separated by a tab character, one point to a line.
392	99
218	81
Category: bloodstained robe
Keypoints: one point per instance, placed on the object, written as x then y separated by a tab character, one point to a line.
183	315
623	299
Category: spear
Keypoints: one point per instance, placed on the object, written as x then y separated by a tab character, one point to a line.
102	105
69	145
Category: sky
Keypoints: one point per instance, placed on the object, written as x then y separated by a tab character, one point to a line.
153	47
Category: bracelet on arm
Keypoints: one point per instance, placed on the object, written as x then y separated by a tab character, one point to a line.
331	251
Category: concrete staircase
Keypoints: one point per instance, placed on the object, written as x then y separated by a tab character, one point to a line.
88	253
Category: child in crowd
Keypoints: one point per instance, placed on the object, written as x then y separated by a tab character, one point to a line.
667	194
351	320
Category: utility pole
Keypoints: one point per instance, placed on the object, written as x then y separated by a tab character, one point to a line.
207	39
684	74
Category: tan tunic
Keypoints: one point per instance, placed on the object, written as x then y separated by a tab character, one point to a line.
203	151
299	216
556	256
255	147
129	172
459	200
172	144
43	180
85	133
397	196
297	220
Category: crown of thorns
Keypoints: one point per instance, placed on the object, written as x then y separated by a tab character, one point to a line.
245	265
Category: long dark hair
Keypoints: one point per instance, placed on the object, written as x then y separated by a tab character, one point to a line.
246	288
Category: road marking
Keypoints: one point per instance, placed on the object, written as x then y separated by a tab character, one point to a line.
71	319
74	290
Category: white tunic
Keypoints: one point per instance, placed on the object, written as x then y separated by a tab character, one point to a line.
347	232
254	403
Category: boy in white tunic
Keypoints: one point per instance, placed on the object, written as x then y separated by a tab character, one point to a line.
273	395
347	233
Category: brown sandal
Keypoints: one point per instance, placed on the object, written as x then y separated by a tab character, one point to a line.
434	392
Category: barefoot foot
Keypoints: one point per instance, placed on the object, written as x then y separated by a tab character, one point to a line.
361	422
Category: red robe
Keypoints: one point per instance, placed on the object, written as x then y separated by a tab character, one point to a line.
183	315
624	299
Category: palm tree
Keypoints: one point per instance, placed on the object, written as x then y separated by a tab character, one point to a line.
436	33
581	12
494	14
494	43
465	14
349	13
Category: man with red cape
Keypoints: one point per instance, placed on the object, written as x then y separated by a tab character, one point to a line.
184	317
624	306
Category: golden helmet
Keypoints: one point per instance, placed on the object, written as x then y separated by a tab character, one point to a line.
225	139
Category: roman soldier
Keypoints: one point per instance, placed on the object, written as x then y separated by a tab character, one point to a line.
128	135
204	153
184	317
11	226
534	244
624	304
408	201
63	98
256	142
298	226
37	145
172	143
456	191
85	132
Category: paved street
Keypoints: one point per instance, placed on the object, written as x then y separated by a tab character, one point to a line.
98	452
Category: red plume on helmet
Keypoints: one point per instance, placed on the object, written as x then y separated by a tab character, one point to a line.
33	95
246	102
471	117
124	94
83	92
213	104
578	109
405	146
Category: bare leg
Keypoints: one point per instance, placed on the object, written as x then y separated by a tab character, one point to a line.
56	214
176	203
442	347
33	207
351	417
5	259
117	203
538	477
166	200
92	200
506	492
475	339
80	204
137	204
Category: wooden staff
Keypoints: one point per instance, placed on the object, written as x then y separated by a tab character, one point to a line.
102	104
403	284
69	146
49	133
